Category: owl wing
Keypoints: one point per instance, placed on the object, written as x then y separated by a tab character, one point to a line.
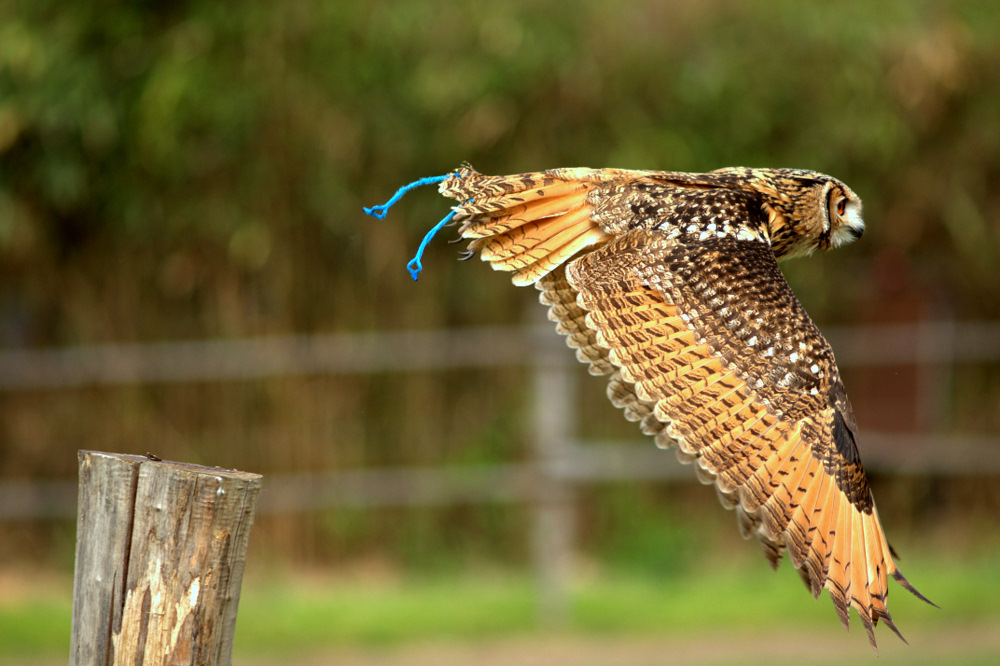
709	348
706	346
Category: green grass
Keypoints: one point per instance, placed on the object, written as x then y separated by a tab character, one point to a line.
280	618
746	598
301	615
35	626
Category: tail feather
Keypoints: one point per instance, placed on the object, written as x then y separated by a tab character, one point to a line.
491	216
548	263
528	223
537	238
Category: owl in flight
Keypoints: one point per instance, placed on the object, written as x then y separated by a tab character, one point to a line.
668	284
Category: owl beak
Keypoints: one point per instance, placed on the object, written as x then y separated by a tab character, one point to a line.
855	231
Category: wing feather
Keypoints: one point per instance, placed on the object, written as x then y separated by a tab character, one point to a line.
570	320
838	577
858	564
823	521
776	510
800	530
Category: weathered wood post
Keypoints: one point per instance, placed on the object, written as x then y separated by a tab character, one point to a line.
160	552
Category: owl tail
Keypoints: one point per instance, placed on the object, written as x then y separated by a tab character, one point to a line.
527	223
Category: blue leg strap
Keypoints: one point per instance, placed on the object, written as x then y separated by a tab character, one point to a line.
380	211
414	266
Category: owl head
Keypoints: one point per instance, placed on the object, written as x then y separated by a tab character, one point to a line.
806	210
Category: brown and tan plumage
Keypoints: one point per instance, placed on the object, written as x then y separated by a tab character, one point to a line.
668	284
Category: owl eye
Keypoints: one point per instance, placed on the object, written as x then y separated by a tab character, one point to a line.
841	206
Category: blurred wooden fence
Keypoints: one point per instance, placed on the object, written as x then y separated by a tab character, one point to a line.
560	461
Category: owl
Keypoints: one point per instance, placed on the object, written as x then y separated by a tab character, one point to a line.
668	284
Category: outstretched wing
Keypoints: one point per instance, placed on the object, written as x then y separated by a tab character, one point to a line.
707	347
711	339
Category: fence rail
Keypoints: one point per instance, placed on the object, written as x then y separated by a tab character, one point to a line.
516	483
560	460
927	343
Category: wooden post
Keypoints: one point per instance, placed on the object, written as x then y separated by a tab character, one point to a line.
555	512
160	552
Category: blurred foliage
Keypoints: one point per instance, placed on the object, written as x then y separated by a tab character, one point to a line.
641	533
188	169
174	170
